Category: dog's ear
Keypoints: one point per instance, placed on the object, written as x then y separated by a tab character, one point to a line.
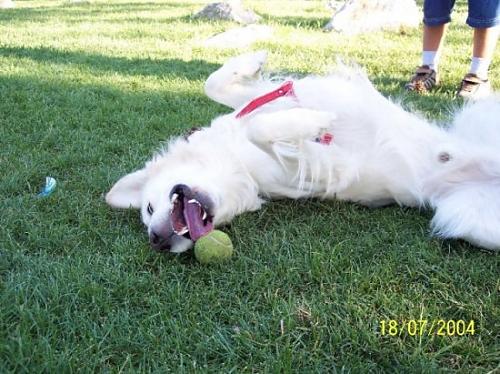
127	192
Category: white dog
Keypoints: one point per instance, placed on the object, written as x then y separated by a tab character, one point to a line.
328	137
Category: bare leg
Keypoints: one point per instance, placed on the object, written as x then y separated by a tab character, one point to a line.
434	37
485	41
426	76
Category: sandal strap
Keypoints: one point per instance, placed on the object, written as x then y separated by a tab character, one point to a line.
423	80
473	79
471	82
424	70
425	76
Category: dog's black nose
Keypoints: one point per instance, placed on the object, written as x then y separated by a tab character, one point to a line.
157	242
154	238
180	189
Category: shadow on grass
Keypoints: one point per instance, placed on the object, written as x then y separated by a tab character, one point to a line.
65	10
192	70
86	136
126	14
148	5
31	106
68	128
315	23
436	105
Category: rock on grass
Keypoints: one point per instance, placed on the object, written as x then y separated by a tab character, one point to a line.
359	16
228	10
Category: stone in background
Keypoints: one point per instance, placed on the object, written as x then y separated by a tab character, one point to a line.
228	10
359	16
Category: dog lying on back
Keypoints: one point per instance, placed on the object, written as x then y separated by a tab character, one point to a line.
329	136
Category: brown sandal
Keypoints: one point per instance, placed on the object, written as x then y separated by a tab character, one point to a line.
473	87
424	79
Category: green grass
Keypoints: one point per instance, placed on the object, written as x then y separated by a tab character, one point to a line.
89	91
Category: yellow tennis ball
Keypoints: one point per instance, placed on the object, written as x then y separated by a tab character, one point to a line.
214	247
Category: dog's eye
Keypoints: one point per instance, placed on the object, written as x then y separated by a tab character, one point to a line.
150	209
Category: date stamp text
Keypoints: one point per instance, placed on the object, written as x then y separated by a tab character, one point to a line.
426	327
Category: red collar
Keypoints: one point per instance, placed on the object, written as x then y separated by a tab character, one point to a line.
286	89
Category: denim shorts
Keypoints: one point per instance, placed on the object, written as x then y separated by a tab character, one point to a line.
482	13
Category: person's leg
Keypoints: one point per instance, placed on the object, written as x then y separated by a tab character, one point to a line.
485	41
484	17
432	44
437	14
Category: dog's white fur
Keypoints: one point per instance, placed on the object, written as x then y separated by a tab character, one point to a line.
381	154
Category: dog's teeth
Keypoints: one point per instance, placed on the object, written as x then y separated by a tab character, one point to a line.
185	230
193	201
182	231
174	197
204	216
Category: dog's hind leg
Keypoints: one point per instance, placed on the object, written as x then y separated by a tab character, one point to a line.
288	126
467	203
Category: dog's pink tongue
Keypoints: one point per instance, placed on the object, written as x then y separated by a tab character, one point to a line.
193	216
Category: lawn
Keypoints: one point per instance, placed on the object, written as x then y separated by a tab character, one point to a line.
88	91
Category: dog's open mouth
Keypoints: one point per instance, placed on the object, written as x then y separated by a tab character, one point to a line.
191	213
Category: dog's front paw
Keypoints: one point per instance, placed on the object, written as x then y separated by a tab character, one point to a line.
315	124
325	121
327	117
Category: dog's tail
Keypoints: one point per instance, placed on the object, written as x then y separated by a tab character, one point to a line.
467	201
466	191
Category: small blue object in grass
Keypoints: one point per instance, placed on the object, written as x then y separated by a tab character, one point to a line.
50	186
